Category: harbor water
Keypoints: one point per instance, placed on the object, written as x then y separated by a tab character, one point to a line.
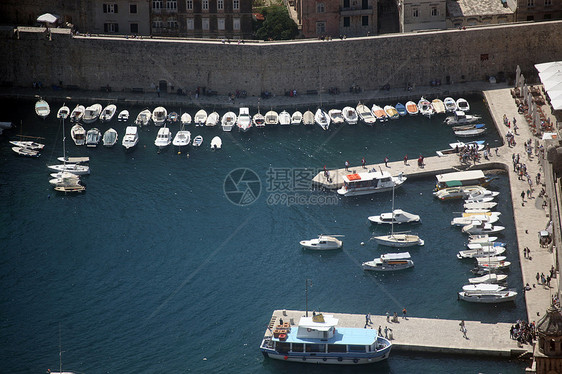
162	266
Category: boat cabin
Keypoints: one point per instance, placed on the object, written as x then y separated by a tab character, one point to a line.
462	178
372	181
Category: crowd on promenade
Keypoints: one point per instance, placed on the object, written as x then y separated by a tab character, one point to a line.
523	332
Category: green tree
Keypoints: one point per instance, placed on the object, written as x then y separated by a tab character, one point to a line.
277	25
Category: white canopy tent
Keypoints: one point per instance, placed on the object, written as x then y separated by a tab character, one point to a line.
47	18
548	65
550	74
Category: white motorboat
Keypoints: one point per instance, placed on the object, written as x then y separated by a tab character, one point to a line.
185	119
131	137
228	121
461	118
391	112
365	114
77	113
182	138
258	119
322	119
200	117
143	118
197	141
425	107
63	177
93	137
350	115
412	108
244	121
398	216
34	146
77	169
42	108
470	126
463	105
108	112
490	278
159	116
457	147
486	293
308	118
213	119
336	116
479	210
450	104
481	239
123	115
296	118
379	113
490	217
27	152
490	259
110	137
470	133
271	118
481	253
482	228
438	106
369	182
65	189
485	266
216	143
284	118
78	134
63	112
460	192
476	205
163	138
92	113
389	262
322	243
472	196
74	160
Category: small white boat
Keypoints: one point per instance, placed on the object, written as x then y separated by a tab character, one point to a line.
481	239
244	121
391	112
63	112
398	240
163	138
460	118
425	107
197	141
74	160
71	168
284	118
228	121
296	118
389	262
68	189
131	137
77	113
213	119
336	116
27	152
159	116
350	115
322	243
461	146
93	137
308	118
271	118
123	115
110	137
78	134
490	278
365	114
258	120
486	293
489	205
482	228
470	133
173	117
379	113
182	138
491	217
34	146
143	118
216	143
481	252
200	117
483	192
185	119
397	217
460	192
438	106
64	177
92	113
412	108
322	119
450	104
42	108
108	112
463	105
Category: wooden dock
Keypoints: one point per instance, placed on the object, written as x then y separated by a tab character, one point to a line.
429	334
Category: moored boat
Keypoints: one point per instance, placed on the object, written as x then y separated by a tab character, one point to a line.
322	119
213	119
460	118
389	262
438	106
244	121
369	182
463	105
486	293
159	116
185	119
143	118
163	138
131	137
462	178
258	120
63	112
28	144
482	228
379	113
182	138
123	115
477	131
71	168
412	108
391	112
173	117
200	117
488	278
459	192
365	114
78	134
425	107
284	118
308	118
401	108
296	118
197	141
110	138
27	152
216	143
108	112
450	104
271	118
350	115
228	121
92	113
397	217
322	243
42	108
93	137
336	116
77	113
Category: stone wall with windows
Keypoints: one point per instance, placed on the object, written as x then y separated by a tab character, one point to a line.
415	58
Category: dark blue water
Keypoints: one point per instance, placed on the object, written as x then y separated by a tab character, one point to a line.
154	269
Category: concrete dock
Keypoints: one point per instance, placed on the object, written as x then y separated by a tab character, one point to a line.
429	335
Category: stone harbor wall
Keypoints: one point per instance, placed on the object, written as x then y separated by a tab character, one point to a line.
55	58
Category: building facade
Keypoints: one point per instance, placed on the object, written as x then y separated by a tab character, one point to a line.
538	10
462	13
124	17
422	15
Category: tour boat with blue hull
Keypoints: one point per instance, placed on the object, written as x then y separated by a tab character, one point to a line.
369	182
318	340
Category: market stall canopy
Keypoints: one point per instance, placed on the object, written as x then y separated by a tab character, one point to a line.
47	18
550	74
548	65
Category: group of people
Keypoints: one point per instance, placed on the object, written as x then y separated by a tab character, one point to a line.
545	280
523	332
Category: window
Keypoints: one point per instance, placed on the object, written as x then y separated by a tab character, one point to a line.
189	4
346	3
434	11
172	5
346	21
133	8
220	23
236	4
220	4
110	8
320	28
157	24
172	24
110	27
547	2
415	12
134	28
320	8
547	16
205	23
157	4
236	24
365	21
190	24
530	3
205	5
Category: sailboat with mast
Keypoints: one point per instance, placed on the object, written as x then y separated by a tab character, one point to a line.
60	360
397	239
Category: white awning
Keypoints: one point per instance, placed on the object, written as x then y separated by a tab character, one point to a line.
47	18
550	74
549	135
548	65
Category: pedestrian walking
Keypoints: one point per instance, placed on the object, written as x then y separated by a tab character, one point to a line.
347	166
380	330
406	159
404	313
386	161
363	163
461	324
525	252
386	332
523	198
538	278
369	318
497	151
388	314
464	332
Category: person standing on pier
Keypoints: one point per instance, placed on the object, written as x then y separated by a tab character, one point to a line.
404	313
347	166
386	161
406	160
363	162
462	324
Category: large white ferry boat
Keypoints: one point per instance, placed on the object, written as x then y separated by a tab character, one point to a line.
369	182
318	340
